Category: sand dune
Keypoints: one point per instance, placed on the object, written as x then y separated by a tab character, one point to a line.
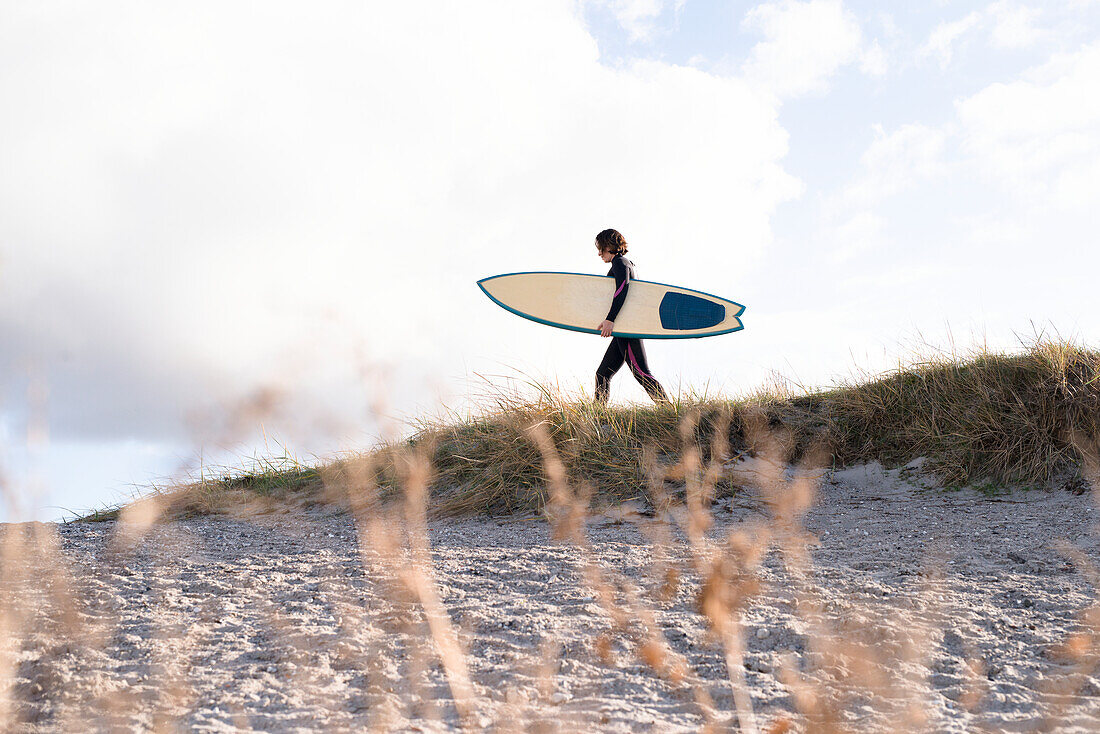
283	622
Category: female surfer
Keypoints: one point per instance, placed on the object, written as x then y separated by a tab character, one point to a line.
612	246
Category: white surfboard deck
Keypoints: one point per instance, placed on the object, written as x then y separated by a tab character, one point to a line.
579	302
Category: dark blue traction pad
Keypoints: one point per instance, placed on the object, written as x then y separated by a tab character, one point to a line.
682	312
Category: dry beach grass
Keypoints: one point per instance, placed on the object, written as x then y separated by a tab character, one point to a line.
993	419
711	566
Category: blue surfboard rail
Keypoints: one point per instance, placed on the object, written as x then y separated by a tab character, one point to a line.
585	330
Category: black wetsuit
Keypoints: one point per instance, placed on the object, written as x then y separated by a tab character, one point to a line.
623	350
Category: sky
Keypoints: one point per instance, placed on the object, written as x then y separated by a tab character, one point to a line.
234	229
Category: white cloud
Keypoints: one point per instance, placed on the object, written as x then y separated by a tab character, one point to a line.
941	43
1013	25
851	219
639	18
1018	166
193	199
894	162
1038	137
860	233
804	44
872	60
1010	24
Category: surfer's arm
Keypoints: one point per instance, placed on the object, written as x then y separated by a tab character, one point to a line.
622	285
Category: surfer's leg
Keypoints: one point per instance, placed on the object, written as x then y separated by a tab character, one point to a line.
612	360
635	355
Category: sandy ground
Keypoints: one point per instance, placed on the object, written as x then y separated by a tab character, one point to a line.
281	623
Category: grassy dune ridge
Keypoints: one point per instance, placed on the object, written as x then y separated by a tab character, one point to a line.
1022	418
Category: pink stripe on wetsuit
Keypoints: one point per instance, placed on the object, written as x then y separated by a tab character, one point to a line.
634	362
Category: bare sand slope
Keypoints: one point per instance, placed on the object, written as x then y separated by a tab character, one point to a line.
964	603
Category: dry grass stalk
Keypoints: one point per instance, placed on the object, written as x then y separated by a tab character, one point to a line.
406	557
417	576
622	600
728	582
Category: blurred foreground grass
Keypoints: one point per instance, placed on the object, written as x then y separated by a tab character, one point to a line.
983	416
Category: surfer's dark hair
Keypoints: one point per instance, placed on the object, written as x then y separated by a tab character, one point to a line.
611	241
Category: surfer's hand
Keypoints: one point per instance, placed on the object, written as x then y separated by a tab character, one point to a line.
606	327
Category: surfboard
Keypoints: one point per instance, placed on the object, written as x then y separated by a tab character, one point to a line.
579	302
